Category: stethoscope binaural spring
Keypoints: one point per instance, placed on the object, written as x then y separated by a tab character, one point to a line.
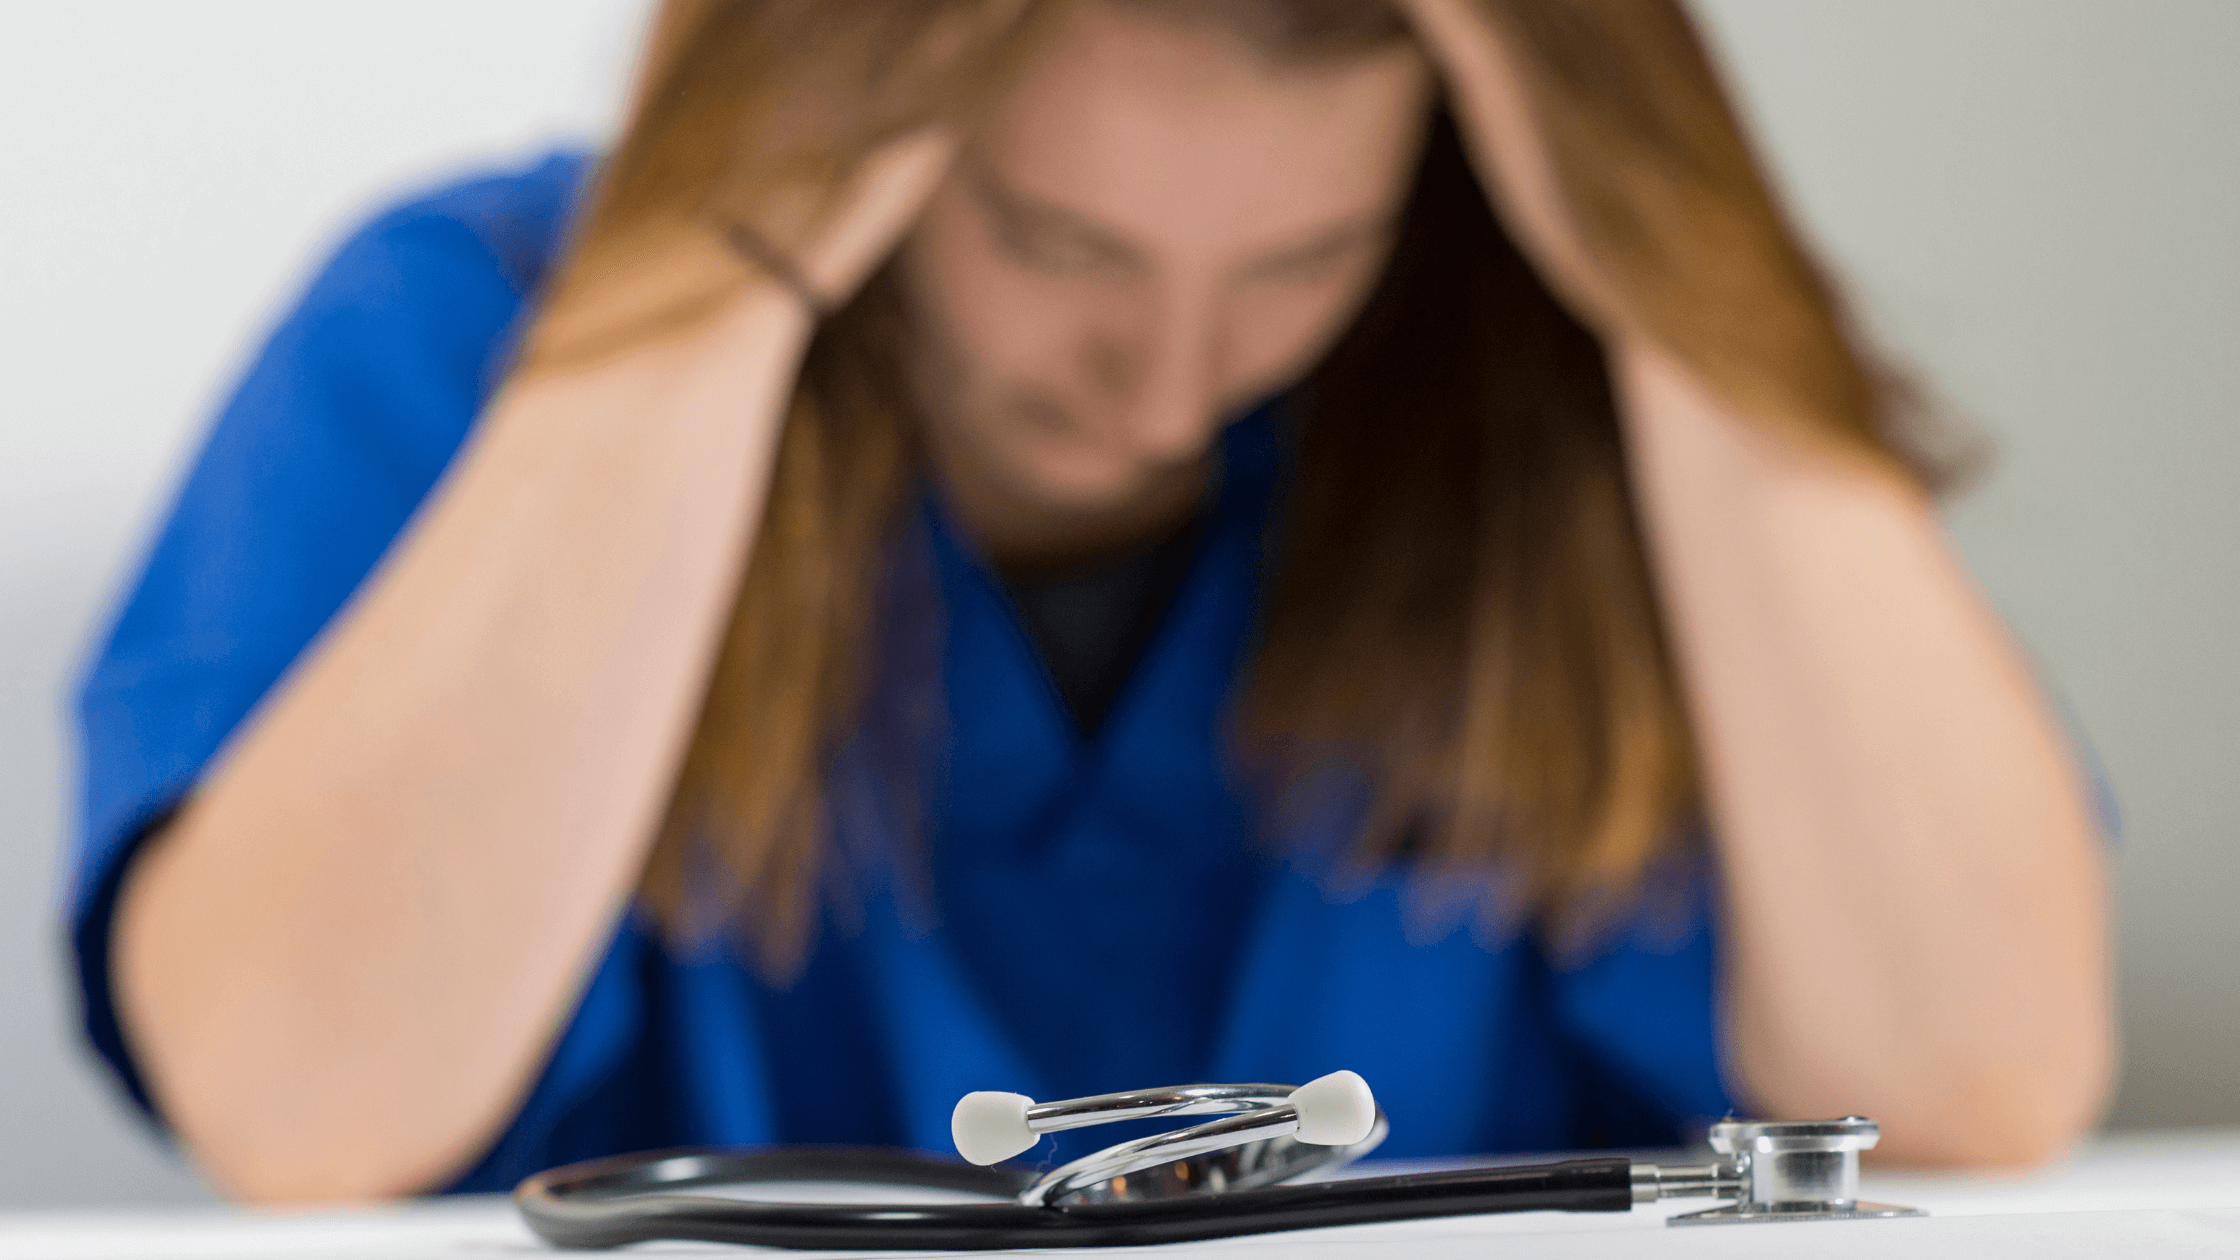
1216	1179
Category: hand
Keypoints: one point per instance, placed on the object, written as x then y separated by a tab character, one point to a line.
831	236
870	212
1508	149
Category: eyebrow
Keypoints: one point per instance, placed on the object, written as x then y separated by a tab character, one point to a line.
1338	238
1020	210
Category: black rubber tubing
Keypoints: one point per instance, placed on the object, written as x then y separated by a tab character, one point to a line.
633	1199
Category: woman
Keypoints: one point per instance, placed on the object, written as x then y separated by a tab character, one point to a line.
1061	547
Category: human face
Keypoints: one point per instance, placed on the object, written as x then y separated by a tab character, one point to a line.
1155	227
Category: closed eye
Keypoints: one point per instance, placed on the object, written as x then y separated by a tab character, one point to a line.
1324	259
1047	239
1053	248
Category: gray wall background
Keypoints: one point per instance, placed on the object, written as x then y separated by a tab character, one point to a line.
2037	200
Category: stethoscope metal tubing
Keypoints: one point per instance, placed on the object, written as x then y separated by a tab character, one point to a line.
633	1199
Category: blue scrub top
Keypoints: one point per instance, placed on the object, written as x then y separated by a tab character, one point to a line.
1102	913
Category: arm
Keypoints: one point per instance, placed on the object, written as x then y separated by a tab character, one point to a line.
1915	896
343	961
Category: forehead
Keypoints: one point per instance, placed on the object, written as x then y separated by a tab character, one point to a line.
1181	138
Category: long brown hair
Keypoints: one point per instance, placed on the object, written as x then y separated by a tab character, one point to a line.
1462	615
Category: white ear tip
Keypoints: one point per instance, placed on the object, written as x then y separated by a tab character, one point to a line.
989	1126
1335	1110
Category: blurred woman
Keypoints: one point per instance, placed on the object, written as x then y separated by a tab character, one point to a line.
1059	547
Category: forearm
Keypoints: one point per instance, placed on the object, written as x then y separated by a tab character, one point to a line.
343	961
1915	893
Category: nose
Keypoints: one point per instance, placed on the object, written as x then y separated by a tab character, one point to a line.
1170	392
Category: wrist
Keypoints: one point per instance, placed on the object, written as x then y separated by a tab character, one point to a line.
1679	427
761	253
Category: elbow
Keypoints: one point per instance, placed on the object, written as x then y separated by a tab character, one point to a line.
1985	1143
1946	1097
286	1145
2004	1117
302	1178
254	1148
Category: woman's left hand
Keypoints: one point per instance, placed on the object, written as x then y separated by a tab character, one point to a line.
1493	108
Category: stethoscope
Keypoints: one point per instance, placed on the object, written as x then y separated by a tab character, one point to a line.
1216	1179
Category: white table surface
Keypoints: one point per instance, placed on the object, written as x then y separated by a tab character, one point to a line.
2151	1194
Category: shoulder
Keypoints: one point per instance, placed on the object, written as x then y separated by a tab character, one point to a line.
346	416
445	270
510	221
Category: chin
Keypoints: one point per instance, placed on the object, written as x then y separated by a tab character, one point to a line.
1085	484
1085	495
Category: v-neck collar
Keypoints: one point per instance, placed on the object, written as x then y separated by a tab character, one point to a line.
1218	592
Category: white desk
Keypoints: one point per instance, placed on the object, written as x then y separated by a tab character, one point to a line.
2168	1194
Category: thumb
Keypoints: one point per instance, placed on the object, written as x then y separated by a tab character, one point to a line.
874	206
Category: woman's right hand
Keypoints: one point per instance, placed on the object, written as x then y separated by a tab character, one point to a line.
874	208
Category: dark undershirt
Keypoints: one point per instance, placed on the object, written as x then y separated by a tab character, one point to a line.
1092	622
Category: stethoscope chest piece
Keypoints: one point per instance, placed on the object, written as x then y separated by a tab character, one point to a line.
1792	1170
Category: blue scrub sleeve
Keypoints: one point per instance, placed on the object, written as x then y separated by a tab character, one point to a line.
341	426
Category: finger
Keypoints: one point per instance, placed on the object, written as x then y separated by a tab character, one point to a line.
875	207
1508	149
